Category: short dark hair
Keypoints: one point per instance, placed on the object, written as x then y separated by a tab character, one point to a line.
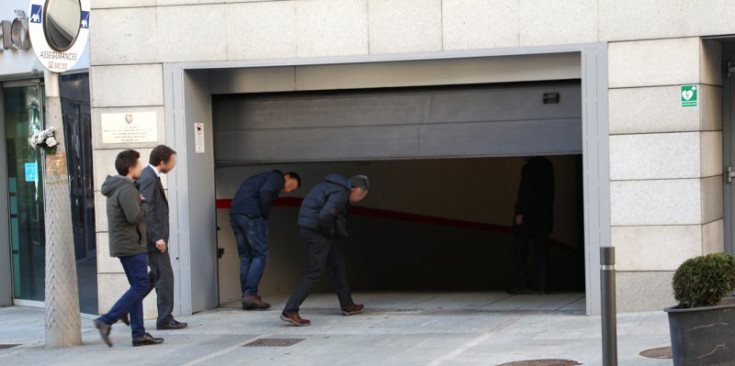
161	153
360	181
296	176
126	160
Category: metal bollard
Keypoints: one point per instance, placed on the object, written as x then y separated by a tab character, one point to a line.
609	312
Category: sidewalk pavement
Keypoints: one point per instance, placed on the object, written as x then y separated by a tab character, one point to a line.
396	329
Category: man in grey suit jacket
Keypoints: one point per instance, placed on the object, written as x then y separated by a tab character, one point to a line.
162	161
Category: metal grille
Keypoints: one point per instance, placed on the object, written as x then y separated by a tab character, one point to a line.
6	346
542	363
663	353
274	342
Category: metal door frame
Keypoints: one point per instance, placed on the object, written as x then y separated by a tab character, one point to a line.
728	145
595	151
7	296
6	272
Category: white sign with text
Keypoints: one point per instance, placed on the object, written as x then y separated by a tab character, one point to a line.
125	128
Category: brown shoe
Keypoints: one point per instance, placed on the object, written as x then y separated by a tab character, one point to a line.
172	324
295	319
104	329
125	318
254	302
146	340
352	310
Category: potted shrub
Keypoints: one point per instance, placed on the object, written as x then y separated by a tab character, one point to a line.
702	326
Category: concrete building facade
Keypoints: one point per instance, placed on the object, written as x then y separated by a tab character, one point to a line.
652	169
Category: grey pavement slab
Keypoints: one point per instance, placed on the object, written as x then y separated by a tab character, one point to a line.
440	329
552	302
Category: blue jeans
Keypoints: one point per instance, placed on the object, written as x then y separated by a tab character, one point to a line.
136	269
252	245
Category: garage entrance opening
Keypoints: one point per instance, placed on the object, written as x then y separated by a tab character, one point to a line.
444	163
431	233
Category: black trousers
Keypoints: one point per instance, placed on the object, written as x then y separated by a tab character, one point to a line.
163	275
523	239
322	254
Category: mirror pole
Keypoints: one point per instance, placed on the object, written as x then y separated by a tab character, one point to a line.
62	320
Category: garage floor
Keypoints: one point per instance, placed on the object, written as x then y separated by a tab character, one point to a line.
432	301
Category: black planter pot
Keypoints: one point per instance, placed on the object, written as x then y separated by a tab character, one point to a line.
703	336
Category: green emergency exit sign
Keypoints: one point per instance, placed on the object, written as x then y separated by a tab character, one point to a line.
689	95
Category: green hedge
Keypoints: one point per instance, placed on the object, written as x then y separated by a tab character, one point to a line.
703	281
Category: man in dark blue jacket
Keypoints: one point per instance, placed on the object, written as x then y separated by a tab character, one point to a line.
322	219
248	216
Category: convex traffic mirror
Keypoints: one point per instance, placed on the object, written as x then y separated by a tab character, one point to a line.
59	30
62	19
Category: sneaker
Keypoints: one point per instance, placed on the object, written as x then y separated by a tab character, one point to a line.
146	340
254	302
104	329
295	319
352	310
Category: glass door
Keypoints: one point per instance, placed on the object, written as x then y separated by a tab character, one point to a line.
23	110
75	107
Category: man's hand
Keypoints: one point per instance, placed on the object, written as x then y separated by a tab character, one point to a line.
142	198
519	220
161	245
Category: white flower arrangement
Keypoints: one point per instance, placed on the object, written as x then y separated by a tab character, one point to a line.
45	139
